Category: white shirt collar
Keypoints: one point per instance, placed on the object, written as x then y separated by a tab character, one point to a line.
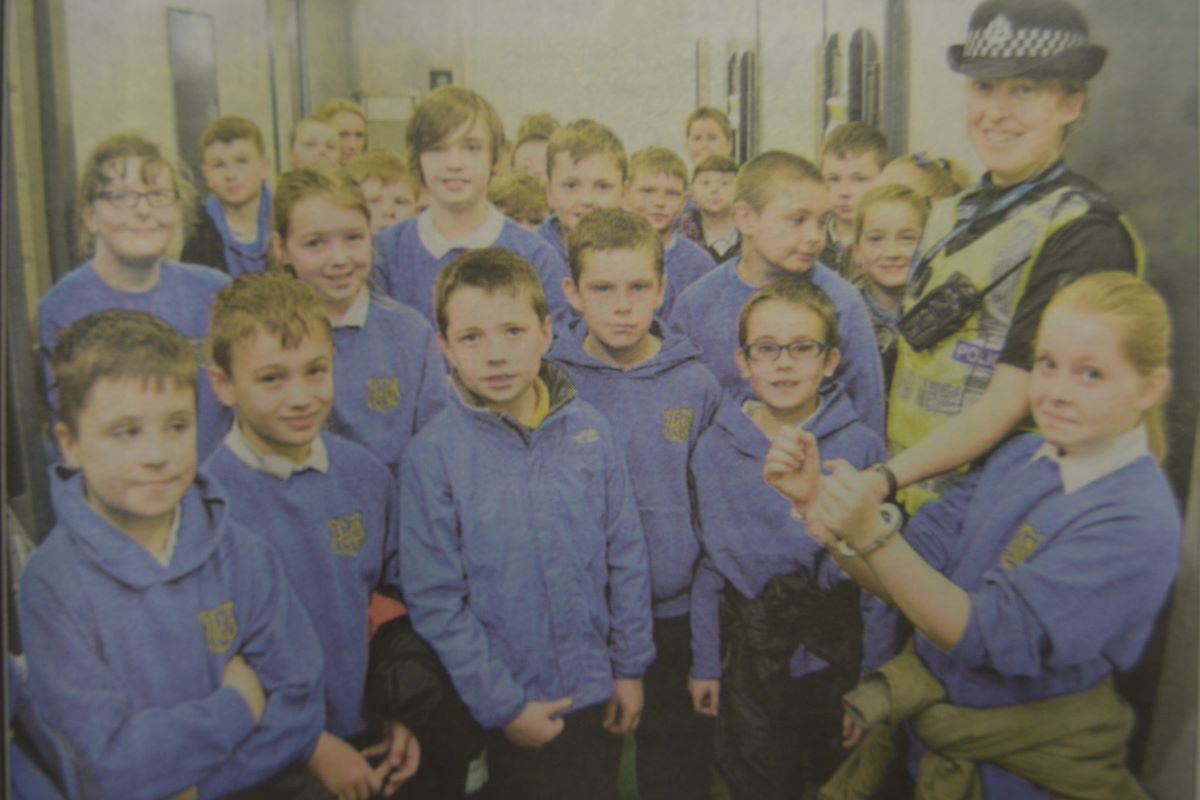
722	243
483	236
1080	468
164	558
356	314
273	465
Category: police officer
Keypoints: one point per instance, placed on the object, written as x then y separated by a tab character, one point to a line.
991	256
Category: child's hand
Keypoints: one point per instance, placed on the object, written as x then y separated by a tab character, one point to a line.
792	466
624	709
538	723
851	733
343	771
705	695
244	680
401	754
848	505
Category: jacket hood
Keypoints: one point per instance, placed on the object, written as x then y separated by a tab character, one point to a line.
676	349
835	412
202	524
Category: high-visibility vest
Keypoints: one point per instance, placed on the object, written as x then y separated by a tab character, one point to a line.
931	386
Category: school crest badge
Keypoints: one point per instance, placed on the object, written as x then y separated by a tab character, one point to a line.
677	424
346	535
220	627
383	394
1020	547
200	351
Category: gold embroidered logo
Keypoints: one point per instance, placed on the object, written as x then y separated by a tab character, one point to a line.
383	394
677	425
220	628
1020	547
346	535
200	350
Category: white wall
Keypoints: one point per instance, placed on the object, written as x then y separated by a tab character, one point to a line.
603	60
120	73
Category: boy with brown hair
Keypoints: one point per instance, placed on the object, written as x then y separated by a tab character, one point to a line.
387	186
521	197
325	503
164	642
586	170
454	139
658	396
852	156
781	208
522	558
656	190
233	232
710	222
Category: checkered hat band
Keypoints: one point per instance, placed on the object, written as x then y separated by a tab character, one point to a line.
1025	43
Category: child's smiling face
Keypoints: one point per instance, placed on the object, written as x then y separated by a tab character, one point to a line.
139	234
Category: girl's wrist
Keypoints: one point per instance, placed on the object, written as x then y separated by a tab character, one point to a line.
873	535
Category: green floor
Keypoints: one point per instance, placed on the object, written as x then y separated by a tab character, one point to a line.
628	780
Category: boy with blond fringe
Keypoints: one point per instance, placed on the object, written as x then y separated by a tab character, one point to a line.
656	190
586	170
852	156
454	140
325	503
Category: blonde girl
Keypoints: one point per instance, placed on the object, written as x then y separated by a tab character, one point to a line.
1036	576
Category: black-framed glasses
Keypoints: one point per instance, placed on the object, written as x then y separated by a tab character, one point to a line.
159	198
799	350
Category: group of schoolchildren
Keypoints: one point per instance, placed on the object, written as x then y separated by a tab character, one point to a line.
531	419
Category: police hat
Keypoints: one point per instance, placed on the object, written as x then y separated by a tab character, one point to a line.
1027	38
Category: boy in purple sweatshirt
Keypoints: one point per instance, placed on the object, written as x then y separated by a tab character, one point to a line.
164	642
778	629
658	396
656	190
325	503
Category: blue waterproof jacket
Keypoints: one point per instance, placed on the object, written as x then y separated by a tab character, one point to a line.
522	557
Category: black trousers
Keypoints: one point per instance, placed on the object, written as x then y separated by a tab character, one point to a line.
674	743
580	764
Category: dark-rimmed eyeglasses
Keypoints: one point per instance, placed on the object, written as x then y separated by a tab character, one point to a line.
159	198
799	350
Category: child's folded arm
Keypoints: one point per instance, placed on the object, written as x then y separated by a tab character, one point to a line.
282	648
128	753
631	643
435	589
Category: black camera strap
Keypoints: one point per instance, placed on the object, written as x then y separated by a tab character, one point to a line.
998	208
